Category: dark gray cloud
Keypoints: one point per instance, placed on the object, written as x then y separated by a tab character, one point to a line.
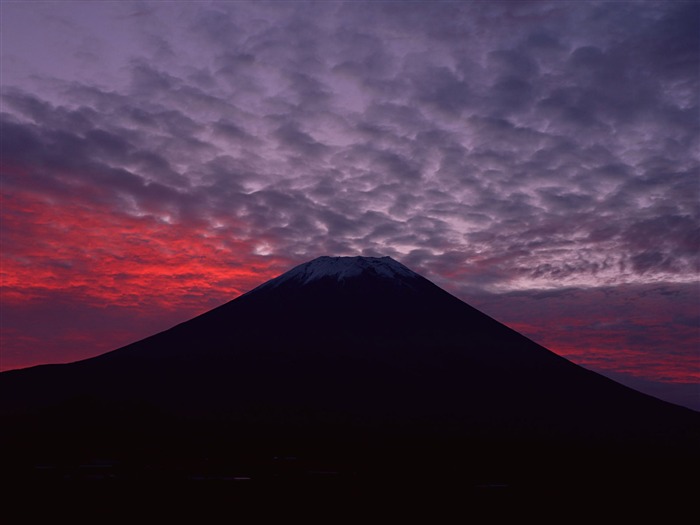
290	136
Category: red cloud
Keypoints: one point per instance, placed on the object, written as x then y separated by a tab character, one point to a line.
646	331
78	256
118	258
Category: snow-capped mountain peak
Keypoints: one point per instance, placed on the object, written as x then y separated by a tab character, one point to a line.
343	268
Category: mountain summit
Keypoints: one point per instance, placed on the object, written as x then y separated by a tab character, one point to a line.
357	365
343	268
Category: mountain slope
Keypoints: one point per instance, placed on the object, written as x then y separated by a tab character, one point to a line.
344	361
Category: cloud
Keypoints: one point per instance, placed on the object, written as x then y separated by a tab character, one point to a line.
499	145
643	331
290	136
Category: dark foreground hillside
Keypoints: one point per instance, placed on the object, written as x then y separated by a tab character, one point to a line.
329	498
344	388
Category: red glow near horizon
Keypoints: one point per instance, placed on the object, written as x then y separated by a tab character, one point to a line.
609	349
119	259
625	360
139	273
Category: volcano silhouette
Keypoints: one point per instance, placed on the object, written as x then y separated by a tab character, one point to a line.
351	365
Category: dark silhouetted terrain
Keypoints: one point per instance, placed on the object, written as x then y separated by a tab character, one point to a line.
347	378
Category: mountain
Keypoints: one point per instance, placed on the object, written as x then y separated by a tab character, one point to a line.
350	367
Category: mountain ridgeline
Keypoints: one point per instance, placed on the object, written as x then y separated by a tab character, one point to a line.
352	365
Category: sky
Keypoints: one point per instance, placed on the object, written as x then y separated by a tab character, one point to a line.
540	160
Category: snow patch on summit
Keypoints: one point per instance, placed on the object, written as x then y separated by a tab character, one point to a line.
342	268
